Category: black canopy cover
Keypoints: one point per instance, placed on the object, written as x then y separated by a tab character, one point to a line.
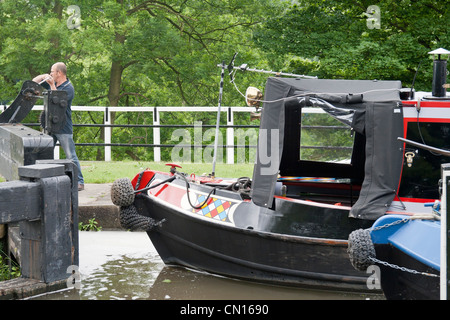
371	108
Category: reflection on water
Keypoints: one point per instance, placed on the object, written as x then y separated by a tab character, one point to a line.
130	269
180	283
122	279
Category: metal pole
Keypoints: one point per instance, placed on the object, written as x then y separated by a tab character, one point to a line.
244	67
425	147
216	141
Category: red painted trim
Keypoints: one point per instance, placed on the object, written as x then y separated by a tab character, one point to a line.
427	103
417	200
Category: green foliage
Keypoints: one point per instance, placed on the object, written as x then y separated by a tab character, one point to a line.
92	225
9	269
131	53
336	35
165	53
325	137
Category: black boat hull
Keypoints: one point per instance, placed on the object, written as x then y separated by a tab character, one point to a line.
398	284
248	253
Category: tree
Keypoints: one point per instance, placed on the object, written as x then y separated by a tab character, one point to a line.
161	52
338	39
123	51
32	36
128	53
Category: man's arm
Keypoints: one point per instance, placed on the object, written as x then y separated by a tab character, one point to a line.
47	78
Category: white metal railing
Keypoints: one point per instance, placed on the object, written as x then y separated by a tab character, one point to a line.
156	111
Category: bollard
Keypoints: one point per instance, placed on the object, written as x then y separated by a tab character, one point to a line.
71	170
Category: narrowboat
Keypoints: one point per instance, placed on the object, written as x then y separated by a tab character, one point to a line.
289	224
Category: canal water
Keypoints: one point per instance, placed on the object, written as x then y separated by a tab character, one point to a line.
120	265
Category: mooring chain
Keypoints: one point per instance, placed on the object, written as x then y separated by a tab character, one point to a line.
394	266
387	225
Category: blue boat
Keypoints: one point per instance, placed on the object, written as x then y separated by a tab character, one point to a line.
403	247
407	252
404	251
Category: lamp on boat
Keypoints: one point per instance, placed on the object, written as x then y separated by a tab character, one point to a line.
253	97
439	72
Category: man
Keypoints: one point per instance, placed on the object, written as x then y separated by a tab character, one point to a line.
57	80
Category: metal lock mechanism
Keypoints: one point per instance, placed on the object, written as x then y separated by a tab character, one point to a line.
409	158
54	115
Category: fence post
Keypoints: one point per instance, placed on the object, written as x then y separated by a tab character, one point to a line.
230	136
56	152
156	136
107	117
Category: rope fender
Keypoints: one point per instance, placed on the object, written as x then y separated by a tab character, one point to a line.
123	195
361	249
130	219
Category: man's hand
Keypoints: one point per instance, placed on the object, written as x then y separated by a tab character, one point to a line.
51	82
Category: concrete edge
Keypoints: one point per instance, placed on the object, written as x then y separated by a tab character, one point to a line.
107	216
21	288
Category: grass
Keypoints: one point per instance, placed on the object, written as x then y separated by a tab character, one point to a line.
106	172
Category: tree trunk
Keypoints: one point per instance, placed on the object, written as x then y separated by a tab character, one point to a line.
115	82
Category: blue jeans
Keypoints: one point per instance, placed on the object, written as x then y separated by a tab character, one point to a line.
68	145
